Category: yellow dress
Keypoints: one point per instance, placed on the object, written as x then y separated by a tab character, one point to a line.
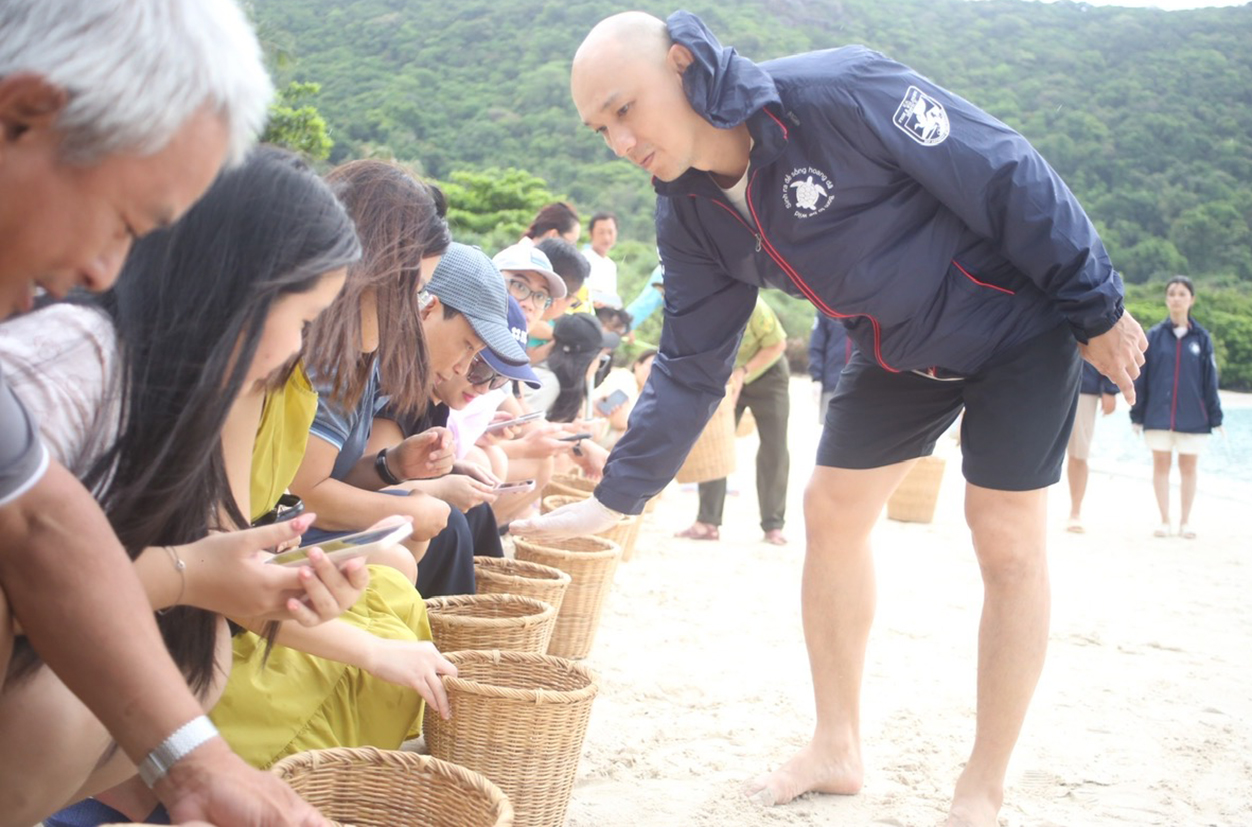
298	702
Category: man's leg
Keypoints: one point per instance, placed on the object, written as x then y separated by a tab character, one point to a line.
770	404
1009	530
841	506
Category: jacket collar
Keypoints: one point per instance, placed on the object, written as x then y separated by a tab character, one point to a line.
726	90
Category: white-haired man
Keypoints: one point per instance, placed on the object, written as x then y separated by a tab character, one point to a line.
115	115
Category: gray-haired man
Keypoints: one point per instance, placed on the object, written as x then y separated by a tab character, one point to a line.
115	115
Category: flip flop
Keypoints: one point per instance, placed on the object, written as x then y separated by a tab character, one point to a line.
1074	526
699	531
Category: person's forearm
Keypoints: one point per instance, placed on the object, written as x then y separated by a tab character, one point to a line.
343	507
163	583
365	475
74	591
337	640
763	358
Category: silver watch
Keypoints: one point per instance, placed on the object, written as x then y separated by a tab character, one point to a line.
175	748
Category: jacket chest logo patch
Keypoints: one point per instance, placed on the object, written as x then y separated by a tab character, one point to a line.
1195	348
922	118
807	191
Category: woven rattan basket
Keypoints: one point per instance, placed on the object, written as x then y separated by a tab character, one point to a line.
590	562
369	787
501	575
713	455
519	719
747	423
914	499
570	485
490	621
623	533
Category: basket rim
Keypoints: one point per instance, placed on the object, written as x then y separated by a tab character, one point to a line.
544	609
610	547
355	758
532	696
503	567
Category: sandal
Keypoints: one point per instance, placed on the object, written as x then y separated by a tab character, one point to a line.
1162	530
1074	526
1186	532
699	531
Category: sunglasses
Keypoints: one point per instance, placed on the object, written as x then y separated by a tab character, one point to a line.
481	373
523	291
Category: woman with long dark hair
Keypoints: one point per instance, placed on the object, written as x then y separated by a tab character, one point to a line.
134	391
1176	402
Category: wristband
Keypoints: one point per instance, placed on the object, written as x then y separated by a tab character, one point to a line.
175	748
384	473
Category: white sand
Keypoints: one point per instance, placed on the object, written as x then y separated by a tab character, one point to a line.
1143	716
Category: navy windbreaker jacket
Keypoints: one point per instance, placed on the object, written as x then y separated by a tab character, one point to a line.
935	231
829	350
1177	387
1096	383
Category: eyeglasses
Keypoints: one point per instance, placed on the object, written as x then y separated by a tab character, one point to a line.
523	291
481	373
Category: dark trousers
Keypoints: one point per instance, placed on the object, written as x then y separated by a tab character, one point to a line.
769	400
448	566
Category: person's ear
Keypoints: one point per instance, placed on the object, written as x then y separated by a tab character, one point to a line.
28	104
434	303
679	57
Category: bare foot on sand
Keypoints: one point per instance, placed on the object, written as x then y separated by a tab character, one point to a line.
973	811
809	770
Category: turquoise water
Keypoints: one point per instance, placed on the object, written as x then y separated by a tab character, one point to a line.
1230	458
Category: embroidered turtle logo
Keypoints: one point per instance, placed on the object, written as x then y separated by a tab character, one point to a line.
807	193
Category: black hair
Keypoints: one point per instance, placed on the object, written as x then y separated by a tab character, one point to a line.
598	217
189	309
571	265
1184	281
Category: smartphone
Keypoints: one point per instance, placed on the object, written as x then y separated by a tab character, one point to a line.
511	487
289	507
575	437
342	549
611	402
509	423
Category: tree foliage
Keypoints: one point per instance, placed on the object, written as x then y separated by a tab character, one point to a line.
1146	114
295	123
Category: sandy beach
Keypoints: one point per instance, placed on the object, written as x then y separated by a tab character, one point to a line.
1143	715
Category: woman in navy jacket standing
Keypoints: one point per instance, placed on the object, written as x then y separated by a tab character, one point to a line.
1176	405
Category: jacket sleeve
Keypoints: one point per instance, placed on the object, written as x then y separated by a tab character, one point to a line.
705	314
994	181
1212	400
817	349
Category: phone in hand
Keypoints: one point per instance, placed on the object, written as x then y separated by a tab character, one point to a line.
342	549
511	487
509	423
612	402
575	437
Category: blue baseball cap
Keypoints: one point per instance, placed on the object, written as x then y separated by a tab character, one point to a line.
517	327
467	281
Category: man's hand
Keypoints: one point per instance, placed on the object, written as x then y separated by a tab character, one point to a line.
414	664
1118	353
589	516
227	573
423	456
213	784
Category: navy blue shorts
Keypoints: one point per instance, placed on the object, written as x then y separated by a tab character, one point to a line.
1019	409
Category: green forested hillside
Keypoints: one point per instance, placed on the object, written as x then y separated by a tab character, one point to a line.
1147	114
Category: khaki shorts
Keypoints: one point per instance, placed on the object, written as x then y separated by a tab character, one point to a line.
1167	441
1084	426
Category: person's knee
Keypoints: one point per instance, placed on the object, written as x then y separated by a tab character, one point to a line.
1187	464
1009	531
1161	461
398	558
845	503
